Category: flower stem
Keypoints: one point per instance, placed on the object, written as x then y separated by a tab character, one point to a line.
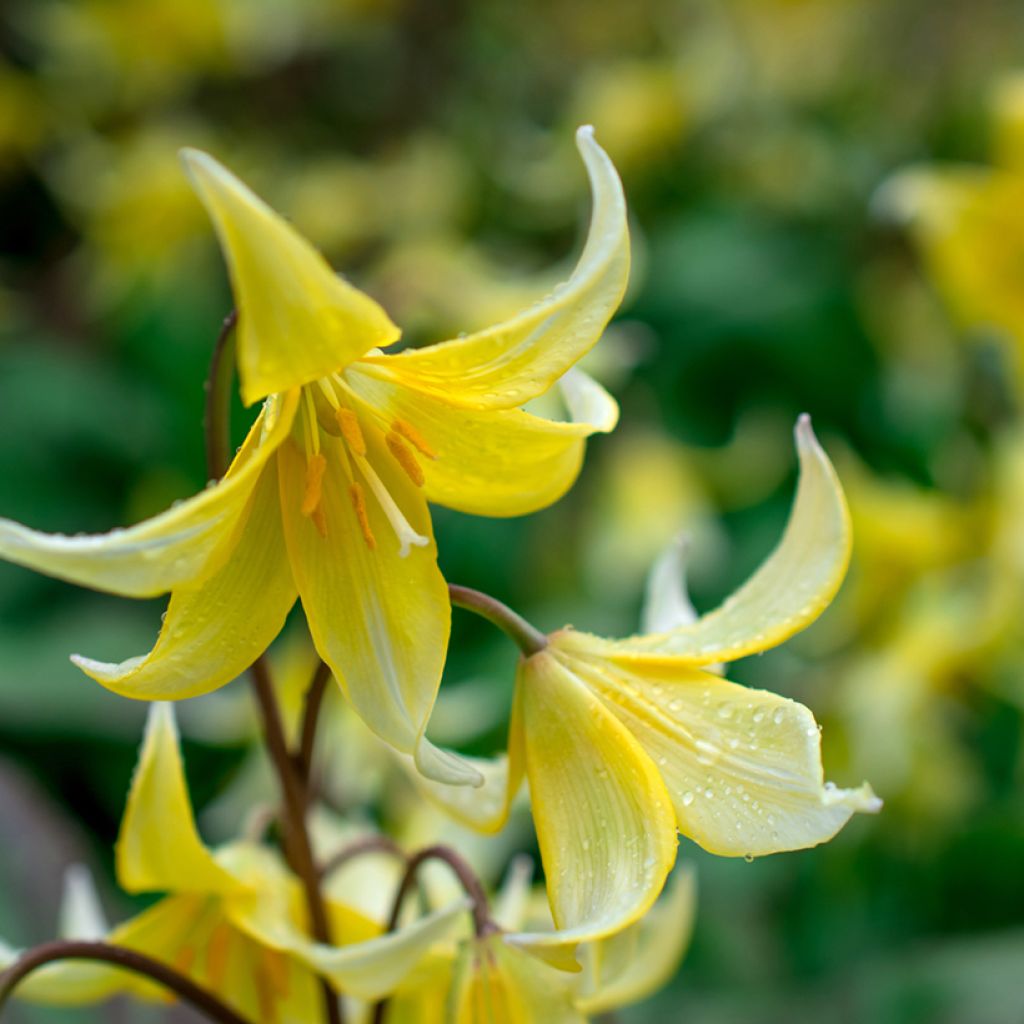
294	792
126	959
295	799
310	717
529	639
368	844
217	414
483	923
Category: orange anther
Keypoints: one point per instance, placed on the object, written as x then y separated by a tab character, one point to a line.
184	959
359	504
217	950
275	967
350	430
405	457
412	435
315	468
320	521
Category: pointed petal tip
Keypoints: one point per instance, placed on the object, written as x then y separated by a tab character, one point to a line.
804	432
862	799
585	135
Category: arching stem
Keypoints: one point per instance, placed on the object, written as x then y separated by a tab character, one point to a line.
529	639
126	959
483	923
310	716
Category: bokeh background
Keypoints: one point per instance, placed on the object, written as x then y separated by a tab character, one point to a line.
426	147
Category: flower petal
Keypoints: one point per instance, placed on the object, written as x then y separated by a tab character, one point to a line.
213	632
158	847
507	364
81	914
379	620
501	462
297	320
792	587
667	603
742	766
172	548
374	969
632	965
604	820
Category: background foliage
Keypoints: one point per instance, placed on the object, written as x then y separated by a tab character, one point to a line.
426	147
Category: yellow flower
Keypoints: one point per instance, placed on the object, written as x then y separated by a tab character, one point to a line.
327	498
232	919
492	979
625	741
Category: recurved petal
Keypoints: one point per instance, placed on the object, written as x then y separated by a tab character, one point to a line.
790	589
512	362
667	603
297	320
373	969
380	619
632	965
742	766
500	462
604	820
213	632
170	549
81	914
158	848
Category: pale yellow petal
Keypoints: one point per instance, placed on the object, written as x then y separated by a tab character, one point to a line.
634	964
742	766
604	820
501	462
667	603
297	320
373	969
158	847
213	632
81	914
378	617
790	589
507	364
178	546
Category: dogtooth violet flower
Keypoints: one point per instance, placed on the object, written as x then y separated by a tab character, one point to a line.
231	920
489	977
327	497
624	742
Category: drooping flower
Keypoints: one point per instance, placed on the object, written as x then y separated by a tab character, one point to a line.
624	742
231	919
327	498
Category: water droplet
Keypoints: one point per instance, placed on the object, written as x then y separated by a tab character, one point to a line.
748	857
779	717
687	798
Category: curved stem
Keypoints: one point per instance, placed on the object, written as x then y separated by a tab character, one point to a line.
310	717
298	848
483	924
217	413
127	959
529	639
368	844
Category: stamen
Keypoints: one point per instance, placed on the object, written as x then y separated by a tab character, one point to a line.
405	457
359	504
407	536
320	521
315	469
184	960
312	428
350	430
275	966
217	950
411	434
328	392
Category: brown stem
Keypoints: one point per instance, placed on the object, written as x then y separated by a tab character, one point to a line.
310	716
483	924
529	639
127	959
297	845
217	413
368	844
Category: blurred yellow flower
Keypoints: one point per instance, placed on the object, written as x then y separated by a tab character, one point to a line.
327	498
233	918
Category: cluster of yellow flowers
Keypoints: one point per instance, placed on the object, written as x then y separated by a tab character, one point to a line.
623	743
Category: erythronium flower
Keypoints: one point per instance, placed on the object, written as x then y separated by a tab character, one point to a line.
625	741
492	978
232	919
327	498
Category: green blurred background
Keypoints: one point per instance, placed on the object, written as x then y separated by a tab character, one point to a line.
426	147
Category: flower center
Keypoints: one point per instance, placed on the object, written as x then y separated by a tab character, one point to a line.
329	407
